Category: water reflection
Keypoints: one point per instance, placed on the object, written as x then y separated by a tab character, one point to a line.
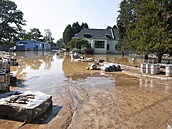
154	84
70	67
34	59
33	63
77	70
126	60
37	63
108	99
146	83
133	60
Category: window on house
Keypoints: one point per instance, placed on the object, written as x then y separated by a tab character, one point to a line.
107	36
99	44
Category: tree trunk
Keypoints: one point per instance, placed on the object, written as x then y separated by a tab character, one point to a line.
146	57
159	58
0	38
122	54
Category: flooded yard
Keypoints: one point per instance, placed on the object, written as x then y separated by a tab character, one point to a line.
85	99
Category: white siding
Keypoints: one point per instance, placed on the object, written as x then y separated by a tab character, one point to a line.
112	46
100	50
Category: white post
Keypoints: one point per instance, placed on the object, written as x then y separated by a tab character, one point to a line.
143	68
168	70
148	68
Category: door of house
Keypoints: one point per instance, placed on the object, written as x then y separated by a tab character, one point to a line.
107	46
43	47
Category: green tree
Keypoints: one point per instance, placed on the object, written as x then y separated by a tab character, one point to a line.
67	34
145	26
22	35
124	22
84	25
48	36
60	43
152	33
115	27
139	34
76	28
34	34
71	30
11	21
109	27
78	43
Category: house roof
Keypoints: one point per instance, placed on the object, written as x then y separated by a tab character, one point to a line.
33	41
96	33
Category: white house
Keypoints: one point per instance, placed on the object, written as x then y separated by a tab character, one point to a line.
24	45
101	40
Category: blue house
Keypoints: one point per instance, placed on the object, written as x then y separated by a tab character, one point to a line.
29	45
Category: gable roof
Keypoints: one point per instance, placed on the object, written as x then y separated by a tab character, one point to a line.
96	33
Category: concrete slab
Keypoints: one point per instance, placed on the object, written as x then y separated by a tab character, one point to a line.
24	106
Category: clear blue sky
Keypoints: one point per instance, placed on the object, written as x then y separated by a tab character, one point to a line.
57	14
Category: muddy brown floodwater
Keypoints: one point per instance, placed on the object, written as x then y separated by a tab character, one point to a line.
84	99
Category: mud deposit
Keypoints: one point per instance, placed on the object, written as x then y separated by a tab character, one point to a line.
84	99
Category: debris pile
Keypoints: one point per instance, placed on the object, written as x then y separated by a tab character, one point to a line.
10	61
4	76
111	67
97	64
76	57
107	67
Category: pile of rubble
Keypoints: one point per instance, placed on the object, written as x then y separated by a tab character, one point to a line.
107	67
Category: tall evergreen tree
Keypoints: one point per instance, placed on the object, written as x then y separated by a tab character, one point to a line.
67	34
84	25
108	27
125	22
115	27
152	33
75	28
145	26
71	30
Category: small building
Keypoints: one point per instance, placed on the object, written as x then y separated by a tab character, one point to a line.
101	40
29	45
